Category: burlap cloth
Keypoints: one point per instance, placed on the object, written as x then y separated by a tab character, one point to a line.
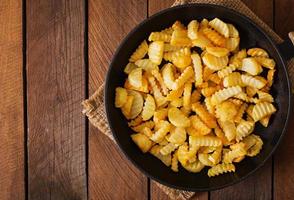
94	106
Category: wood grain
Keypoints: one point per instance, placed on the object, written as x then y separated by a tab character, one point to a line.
263	9
56	87
284	22
12	168
155	6
259	185
283	159
111	175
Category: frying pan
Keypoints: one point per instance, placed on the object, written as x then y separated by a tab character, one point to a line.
251	36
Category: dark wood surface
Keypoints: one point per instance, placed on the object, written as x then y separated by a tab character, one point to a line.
284	163
53	54
12	170
55	87
110	175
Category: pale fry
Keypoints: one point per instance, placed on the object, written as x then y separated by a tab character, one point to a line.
120	97
149	108
155	52
184	77
198	69
178	118
140	52
204	115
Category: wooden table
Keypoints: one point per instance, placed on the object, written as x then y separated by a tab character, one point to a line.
54	54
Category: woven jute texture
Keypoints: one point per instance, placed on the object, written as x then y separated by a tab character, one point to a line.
93	107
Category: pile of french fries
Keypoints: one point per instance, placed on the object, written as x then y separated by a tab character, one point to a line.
193	97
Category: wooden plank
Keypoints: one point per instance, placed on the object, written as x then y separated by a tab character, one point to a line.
283	159
156	193
259	185
56	87
263	9
111	176
12	169
284	22
155	6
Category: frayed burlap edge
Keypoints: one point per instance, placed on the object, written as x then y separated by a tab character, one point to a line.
94	109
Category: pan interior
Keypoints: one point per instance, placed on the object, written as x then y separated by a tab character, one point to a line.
251	36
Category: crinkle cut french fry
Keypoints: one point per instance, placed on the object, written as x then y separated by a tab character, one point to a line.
148	108
177	135
220	27
232	44
204	115
178	118
240	113
238	151
201	41
244	128
168	47
197	64
225	94
266	62
187	95
155	52
140	127
217	51
174	162
270	77
265	121
135	122
160	80
126	108
168	149
136	77
220	169
251	66
199	125
261	110
195	96
180	38
159	98
233	32
144	88
146	64
215	37
159	36
142	141
252	81
184	77
174	94
205	141
257	52
229	129
140	52
129	67
178	26
226	111
159	135
137	104
168	75
233	79
215	63
193	29
155	151
120	97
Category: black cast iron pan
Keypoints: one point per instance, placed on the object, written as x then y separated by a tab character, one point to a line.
251	36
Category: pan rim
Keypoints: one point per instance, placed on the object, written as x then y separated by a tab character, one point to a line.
106	102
